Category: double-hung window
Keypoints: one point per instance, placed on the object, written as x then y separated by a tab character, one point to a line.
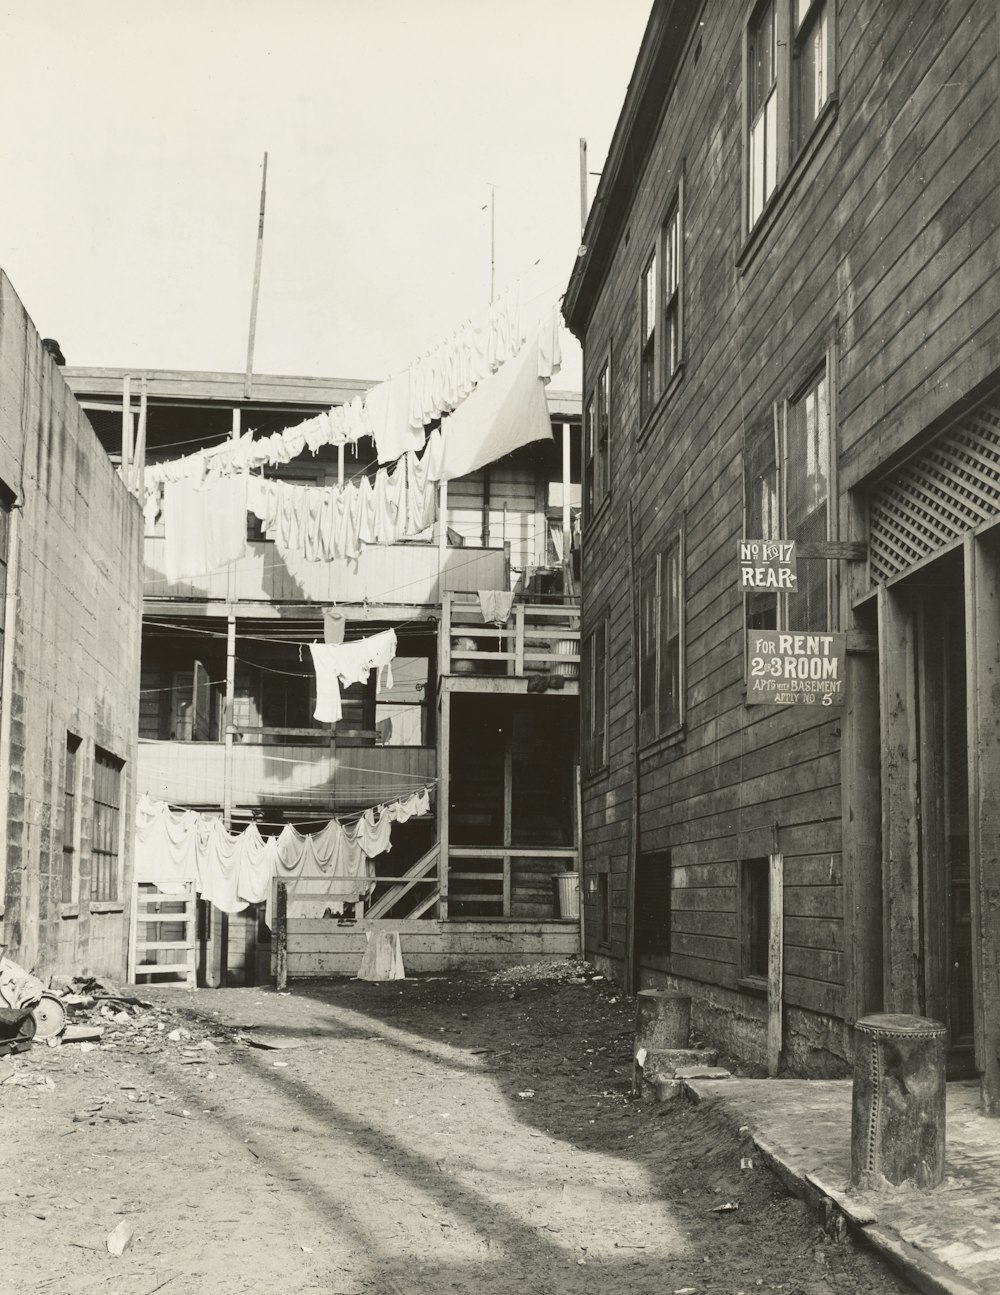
106	842
788	81
788	466
661	624
661	314
595	698
597	439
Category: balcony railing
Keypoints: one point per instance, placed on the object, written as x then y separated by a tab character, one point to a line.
195	773
537	638
405	573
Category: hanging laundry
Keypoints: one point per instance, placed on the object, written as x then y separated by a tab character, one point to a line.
495	605
204	525
388	409
347	663
334	623
504	412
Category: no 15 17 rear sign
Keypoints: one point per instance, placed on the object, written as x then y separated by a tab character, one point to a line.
785	669
768	564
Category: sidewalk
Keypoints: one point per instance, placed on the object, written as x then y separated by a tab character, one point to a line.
947	1240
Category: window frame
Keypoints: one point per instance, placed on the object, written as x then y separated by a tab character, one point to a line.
776	426
661	349
651	927
595	739
597	436
656	721
106	829
791	134
7	498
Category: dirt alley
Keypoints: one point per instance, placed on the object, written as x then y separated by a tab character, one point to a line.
437	1134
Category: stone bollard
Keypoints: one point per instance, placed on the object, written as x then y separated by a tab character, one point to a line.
898	1107
662	1022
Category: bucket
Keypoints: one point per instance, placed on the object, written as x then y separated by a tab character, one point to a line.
569	894
569	669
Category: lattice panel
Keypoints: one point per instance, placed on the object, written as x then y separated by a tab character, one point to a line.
948	489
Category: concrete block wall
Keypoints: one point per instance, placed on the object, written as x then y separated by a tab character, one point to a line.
70	659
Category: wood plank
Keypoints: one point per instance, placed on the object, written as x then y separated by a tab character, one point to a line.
900	809
982	600
775	971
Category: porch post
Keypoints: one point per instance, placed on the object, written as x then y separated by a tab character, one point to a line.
444	777
982	633
900	821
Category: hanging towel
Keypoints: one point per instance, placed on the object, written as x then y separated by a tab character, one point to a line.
388	408
504	412
347	663
204	525
495	605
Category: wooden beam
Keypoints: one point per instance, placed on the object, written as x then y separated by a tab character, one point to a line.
281	935
127	428
631	977
255	292
833	550
982	604
444	778
900	805
861	827
775	957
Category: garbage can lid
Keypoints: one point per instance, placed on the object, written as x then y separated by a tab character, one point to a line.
901	1025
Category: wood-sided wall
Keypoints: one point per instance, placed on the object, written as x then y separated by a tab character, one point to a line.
878	256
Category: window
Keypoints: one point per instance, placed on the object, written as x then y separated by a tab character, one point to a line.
793	503
597	430
661	292
107	833
810	65
672	293
652	903
762	108
661	594
595	699
755	918
71	823
789	81
807	501
648	386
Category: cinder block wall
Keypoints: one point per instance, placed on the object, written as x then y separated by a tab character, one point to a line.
70	661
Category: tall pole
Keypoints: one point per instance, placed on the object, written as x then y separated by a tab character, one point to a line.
493	241
248	385
583	185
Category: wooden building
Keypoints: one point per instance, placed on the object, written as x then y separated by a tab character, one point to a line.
70	612
226	720
787	294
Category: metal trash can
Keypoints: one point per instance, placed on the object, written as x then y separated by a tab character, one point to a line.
898	1104
569	894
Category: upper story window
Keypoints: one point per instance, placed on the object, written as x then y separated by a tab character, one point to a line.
762	107
648	385
594	699
661	317
789	78
597	443
793	503
106	826
811	57
661	622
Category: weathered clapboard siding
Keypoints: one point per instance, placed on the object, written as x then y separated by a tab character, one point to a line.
885	242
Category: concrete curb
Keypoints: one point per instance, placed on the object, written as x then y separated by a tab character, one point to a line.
927	1274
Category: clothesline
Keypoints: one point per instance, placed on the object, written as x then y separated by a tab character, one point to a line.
235	869
426	784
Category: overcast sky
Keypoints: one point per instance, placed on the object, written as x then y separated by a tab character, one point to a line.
130	161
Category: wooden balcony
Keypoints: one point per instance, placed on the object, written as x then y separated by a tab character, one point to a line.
392	573
194	773
539	641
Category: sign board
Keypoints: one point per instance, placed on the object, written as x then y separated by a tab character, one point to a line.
789	669
768	565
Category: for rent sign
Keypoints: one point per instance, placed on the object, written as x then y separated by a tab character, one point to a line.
768	564
786	669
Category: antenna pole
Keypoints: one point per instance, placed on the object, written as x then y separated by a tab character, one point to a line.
248	384
583	185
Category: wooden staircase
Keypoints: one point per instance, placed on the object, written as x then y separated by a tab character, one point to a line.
423	877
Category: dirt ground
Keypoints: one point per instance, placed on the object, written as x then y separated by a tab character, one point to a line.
439	1134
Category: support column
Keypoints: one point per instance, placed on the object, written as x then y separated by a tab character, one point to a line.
861	814
567	516
982	612
444	777
127	429
900	804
